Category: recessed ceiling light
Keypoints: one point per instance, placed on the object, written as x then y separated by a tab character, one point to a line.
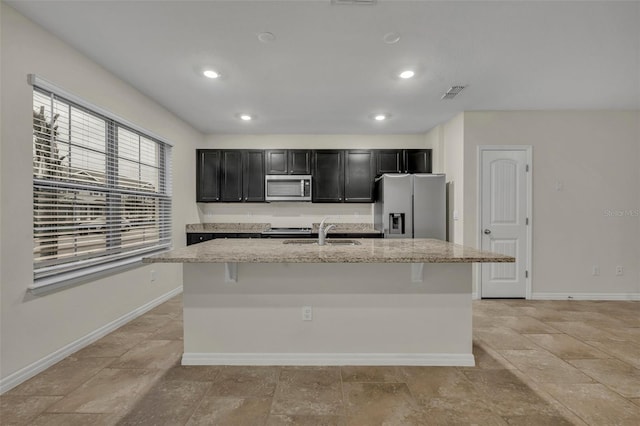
406	74
380	117
391	38
245	117
266	37
211	74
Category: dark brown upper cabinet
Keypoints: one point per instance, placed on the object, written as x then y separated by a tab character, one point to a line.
229	175
288	161
403	161
389	161
299	162
359	168
237	175
207	175
253	176
418	160
328	176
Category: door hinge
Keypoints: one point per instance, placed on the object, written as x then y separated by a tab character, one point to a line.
526	221
526	274
526	168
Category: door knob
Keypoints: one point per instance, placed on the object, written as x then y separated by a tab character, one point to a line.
487	231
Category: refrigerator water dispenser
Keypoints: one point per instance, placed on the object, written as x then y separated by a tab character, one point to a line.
396	223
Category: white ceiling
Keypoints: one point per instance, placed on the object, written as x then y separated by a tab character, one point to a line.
329	70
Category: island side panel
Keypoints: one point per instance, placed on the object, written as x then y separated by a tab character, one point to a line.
363	314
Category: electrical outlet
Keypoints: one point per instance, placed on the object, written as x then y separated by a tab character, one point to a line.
619	271
596	271
152	275
307	313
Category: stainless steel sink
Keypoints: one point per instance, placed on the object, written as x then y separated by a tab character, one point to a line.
330	242
309	241
337	242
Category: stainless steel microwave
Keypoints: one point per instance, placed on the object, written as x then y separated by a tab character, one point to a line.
287	188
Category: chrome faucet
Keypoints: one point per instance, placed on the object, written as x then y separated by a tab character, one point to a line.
322	231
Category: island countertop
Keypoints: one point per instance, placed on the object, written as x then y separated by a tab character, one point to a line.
367	251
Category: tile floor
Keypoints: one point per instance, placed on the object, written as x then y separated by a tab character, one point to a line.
538	363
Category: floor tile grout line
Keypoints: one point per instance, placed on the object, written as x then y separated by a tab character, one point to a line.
604	384
344	399
197	406
537	392
273	397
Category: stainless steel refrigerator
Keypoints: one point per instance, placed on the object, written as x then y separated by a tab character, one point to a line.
411	206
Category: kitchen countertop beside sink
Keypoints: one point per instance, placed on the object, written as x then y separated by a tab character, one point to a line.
242	228
371	250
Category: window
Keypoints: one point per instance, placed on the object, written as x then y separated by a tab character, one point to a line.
101	190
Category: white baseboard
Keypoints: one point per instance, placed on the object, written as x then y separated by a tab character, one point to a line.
585	296
42	364
475	296
297	359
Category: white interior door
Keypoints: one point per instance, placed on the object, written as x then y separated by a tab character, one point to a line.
504	221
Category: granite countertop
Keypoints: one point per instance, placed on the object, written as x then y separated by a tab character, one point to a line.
370	250
347	228
240	228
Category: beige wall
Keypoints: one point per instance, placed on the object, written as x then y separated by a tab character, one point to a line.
447	141
299	214
314	141
35	326
594	156
435	140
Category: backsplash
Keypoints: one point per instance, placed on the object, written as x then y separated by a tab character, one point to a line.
294	214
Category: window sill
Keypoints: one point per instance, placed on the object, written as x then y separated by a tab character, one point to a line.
85	275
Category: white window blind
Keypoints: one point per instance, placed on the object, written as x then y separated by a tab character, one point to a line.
101	189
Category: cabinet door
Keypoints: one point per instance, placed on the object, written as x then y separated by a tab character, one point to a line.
276	160
389	161
253	179
328	176
418	160
207	175
299	162
231	182
358	176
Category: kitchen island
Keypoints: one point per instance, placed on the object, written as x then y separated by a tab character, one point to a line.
360	302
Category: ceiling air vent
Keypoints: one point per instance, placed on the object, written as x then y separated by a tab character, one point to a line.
350	2
452	92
